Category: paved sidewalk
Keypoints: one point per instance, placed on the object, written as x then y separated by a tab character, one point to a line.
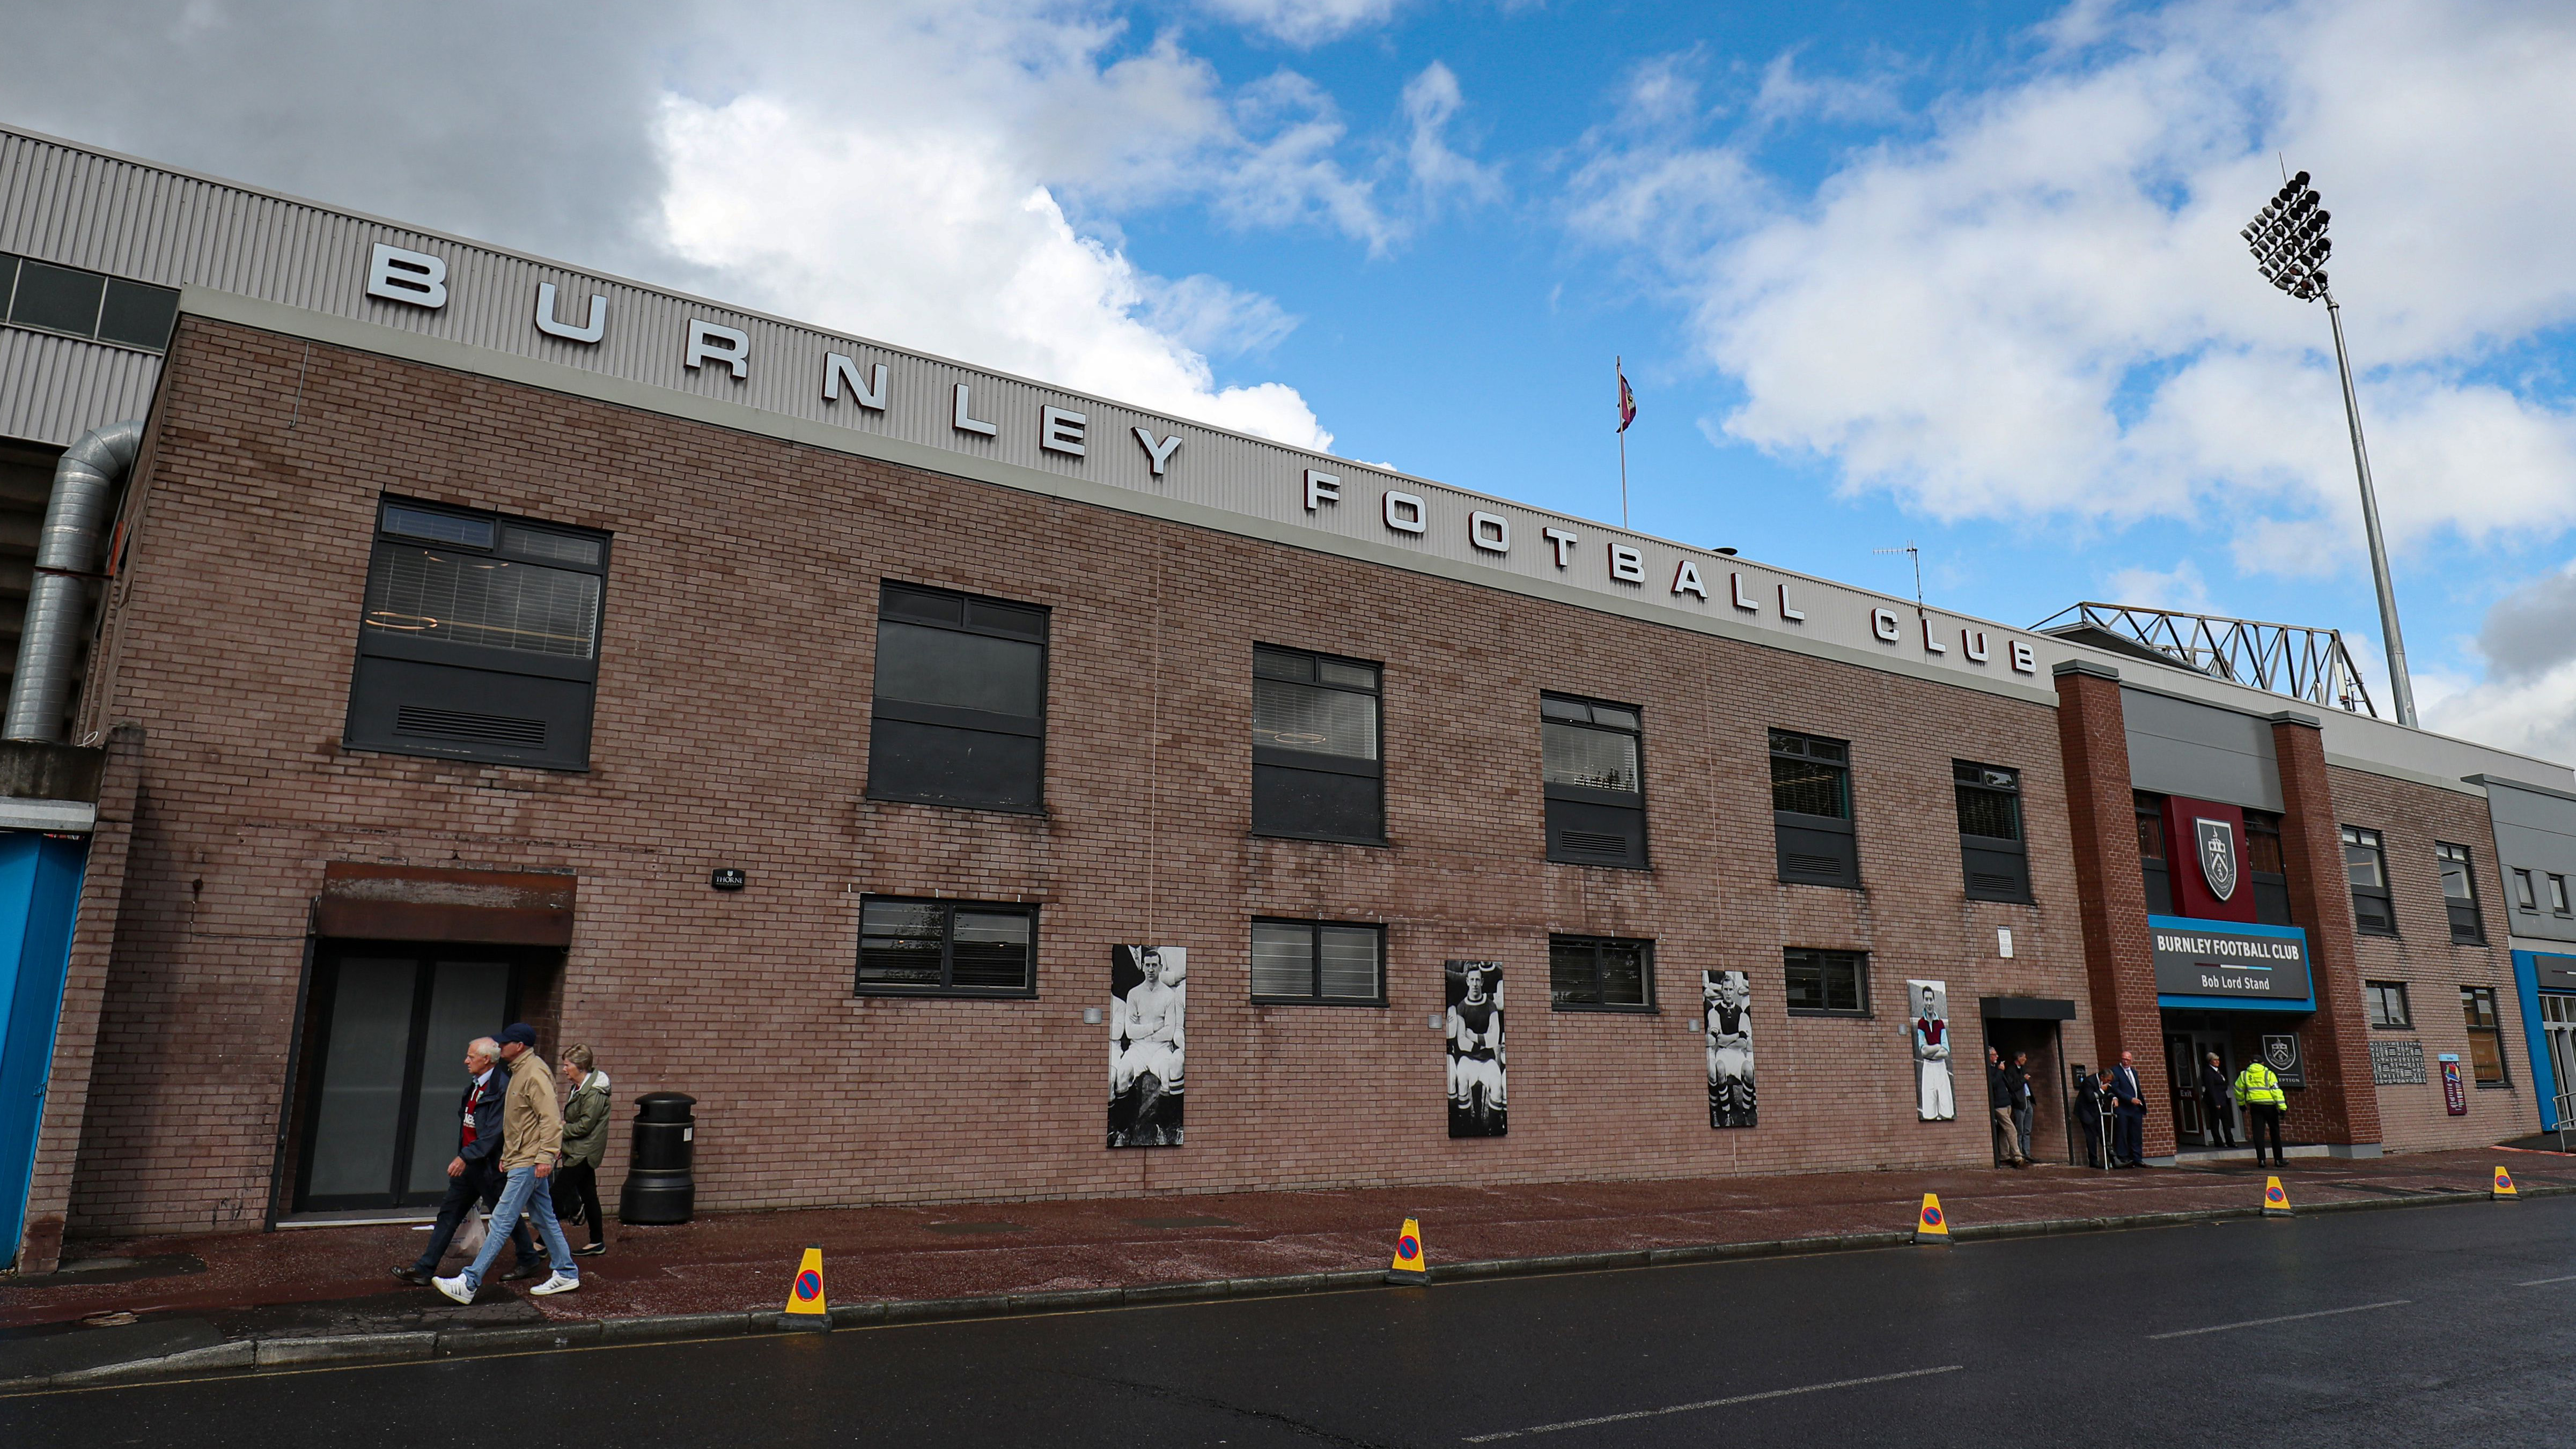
193	1292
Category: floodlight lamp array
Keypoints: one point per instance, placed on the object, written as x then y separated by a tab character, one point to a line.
2288	239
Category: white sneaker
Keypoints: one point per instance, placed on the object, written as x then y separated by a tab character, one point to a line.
456	1288
556	1284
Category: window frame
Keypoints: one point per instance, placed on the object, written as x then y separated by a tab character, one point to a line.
1551	792
1843	828
1827	956
2271	887
1281	758
947	989
2156	871
13	267
384	540
2017	847
2558	903
2467	921
1314	930
2374	997
947	717
2377	844
2471	997
1646	945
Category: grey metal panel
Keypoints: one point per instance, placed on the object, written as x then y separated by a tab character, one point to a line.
2178	747
53	389
2535	830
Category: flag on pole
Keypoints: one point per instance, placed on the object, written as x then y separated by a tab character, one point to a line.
1627	399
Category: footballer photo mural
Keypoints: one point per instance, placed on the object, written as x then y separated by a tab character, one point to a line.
1148	1001
1934	1099
1479	1103
1726	1011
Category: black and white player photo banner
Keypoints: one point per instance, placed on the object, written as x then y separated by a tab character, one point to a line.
1148	1000
1479	1104
1934	1099
1726	1009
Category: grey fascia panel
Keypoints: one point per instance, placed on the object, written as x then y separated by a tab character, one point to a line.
70	816
2201	751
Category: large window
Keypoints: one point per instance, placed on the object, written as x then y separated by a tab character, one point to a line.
2486	1035
1827	983
947	948
1600	973
2460	894
1811	810
478	638
1316	961
1991	848
86	304
2151	852
2367	864
2386	1001
1316	771
2265	869
960	716
1595	782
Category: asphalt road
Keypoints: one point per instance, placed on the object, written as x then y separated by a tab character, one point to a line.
2437	1325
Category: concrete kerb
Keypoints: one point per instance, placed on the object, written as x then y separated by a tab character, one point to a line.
256	1355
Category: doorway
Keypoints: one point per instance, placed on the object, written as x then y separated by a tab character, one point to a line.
2184	1052
391	1021
2558	1021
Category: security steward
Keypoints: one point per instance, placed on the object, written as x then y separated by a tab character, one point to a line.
2259	1089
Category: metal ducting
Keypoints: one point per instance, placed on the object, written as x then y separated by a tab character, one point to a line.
66	560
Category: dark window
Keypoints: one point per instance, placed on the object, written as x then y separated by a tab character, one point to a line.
1827	983
2486	1035
960	715
1811	810
2558	895
479	638
2367	866
1594	781
2460	894
1316	771
1991	848
2151	853
1295	961
1598	973
2386	1001
947	948
2266	870
86	304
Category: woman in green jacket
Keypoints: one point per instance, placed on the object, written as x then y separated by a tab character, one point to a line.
585	1143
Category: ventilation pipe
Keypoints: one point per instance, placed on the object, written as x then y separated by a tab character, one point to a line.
66	560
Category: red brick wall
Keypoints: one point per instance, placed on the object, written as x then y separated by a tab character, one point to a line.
2337	1105
732	729
2119	951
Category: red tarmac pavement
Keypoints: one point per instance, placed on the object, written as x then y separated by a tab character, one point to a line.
733	1262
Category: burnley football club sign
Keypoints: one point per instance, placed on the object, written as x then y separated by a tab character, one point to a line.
2217	856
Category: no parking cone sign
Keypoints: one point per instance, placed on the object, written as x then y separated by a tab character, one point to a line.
1409	1265
1931	1225
806	1306
2503	1187
2276	1200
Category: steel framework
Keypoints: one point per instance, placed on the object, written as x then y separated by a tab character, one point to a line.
2303	663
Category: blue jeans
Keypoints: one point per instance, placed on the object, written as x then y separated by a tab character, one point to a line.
528	1193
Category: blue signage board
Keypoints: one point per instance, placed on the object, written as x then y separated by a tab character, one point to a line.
2230	965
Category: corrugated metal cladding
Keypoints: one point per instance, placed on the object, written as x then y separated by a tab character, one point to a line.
53	389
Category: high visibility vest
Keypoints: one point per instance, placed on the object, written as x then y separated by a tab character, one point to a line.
2256	1086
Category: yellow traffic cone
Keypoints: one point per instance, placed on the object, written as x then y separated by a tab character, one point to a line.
2503	1187
1931	1225
2276	1201
806	1307
1409	1265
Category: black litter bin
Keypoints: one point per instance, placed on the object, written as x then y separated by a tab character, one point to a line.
659	1185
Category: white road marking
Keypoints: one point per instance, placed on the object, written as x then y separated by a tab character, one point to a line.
2284	1318
2536	1282
1712	1404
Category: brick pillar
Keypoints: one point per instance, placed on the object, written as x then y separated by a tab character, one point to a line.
58	1133
2119	960
2339	1105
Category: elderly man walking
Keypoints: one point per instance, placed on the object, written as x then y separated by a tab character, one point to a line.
472	1175
531	1139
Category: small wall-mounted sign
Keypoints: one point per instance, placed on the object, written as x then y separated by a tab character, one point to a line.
728	879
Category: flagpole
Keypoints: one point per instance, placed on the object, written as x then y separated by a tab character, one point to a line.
1619	370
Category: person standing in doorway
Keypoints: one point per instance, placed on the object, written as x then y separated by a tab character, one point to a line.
532	1138
472	1175
2128	1114
2090	1103
2221	1105
2025	1102
1999	1102
585	1146
2259	1088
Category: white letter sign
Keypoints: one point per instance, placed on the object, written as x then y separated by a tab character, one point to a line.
1930	644
870	394
1405	514
1626	564
554	326
1060	431
2023	660
1490	531
964	421
1563	542
1162	452
1686	581
402	276
710	343
1973	643
1883	624
1321	488
1741	602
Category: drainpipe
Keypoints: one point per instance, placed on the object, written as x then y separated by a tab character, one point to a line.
66	560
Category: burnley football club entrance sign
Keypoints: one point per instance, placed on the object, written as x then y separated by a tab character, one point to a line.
2230	963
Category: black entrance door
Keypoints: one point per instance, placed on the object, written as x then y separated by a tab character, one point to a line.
380	1121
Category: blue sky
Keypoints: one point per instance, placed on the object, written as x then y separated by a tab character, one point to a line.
1961	274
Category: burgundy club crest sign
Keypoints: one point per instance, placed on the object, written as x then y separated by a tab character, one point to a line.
2217	856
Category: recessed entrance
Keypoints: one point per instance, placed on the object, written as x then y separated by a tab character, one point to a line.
391	1020
2185	1052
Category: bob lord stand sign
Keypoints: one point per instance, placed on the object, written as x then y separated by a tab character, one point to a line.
2230	963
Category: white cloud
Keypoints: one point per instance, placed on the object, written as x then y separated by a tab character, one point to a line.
2041	306
2179	588
1306	22
1431	102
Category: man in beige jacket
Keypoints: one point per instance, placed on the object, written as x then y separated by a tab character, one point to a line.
531	1140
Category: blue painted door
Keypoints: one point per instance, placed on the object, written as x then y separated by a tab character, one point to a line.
40	880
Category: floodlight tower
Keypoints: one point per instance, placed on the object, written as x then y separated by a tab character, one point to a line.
2288	237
